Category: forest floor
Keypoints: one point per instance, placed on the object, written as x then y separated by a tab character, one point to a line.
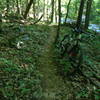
52	83
36	67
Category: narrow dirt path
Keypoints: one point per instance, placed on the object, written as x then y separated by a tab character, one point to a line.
52	83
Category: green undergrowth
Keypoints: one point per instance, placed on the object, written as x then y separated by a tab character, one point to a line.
83	88
20	78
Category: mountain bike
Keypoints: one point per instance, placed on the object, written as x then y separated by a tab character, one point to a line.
70	46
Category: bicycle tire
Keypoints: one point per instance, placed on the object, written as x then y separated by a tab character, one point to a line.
77	62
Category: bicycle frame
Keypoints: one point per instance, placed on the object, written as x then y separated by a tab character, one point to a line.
72	48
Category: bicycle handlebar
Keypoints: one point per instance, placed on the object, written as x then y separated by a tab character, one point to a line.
78	30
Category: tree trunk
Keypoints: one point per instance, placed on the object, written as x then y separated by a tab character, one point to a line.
7	2
17	5
59	22
47	10
56	13
88	10
28	8
21	6
52	14
44	10
0	22
81	8
67	11
34	9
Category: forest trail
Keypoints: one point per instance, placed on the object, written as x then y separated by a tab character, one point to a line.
52	83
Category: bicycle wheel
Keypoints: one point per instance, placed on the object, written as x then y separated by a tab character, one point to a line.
76	59
66	43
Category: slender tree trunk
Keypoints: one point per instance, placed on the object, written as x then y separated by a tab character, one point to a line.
88	10
17	5
59	22
21	6
34	9
44	10
28	8
7	2
81	8
47	10
52	13
56	14
0	22
67	10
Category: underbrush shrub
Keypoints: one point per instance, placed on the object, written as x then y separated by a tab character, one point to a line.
20	78
18	83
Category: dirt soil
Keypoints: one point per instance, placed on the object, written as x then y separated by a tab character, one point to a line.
53	85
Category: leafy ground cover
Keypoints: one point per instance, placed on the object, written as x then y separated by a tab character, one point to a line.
86	84
20	78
